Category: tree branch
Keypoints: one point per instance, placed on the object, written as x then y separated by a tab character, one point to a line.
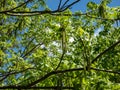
32	13
11	73
109	71
59	4
106	50
85	54
85	14
55	13
65	3
26	48
52	73
16	7
63	44
24	87
30	86
27	53
24	13
68	6
61	58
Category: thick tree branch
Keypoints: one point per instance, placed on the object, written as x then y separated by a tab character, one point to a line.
52	73
31	85
24	87
60	8
32	13
55	13
24	13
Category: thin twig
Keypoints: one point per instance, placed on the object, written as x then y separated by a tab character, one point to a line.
65	4
85	54
16	7
31	50
11	73
59	4
68	6
106	50
63	47
61	58
109	71
26	48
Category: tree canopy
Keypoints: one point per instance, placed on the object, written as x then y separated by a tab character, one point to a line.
57	49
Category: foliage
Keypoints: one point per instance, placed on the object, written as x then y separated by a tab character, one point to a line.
58	48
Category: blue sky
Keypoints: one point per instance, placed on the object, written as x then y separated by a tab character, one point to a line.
80	5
